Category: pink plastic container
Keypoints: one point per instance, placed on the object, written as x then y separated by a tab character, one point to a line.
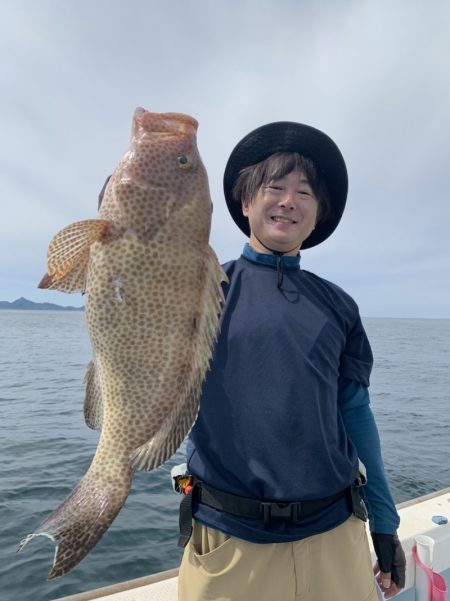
437	587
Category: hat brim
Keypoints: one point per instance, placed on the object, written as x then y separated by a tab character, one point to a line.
287	136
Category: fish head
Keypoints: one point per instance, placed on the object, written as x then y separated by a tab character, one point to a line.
163	150
164	168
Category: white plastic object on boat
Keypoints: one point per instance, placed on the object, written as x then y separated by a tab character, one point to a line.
429	585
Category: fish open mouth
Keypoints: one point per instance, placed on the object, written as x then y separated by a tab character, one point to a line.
163	124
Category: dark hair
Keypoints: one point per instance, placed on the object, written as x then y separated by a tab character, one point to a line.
276	166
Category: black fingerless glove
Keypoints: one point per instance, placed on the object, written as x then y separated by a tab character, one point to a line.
391	557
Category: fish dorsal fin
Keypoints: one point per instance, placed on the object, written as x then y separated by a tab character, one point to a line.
178	423
93	402
68	255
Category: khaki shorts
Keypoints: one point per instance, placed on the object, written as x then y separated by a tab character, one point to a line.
333	566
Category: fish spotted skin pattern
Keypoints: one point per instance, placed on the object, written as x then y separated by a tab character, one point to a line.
154	297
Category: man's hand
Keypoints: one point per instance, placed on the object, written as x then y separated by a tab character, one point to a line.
391	565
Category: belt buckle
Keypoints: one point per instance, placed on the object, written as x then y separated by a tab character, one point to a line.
280	511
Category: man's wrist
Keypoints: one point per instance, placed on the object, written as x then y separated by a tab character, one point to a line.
391	557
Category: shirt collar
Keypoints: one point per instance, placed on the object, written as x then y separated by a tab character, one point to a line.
289	263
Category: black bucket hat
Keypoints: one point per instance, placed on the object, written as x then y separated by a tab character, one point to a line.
287	136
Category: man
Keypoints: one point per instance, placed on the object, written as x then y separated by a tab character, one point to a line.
284	416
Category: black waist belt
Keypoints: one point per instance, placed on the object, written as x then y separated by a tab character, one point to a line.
245	507
261	510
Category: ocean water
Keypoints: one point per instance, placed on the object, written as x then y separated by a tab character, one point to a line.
46	447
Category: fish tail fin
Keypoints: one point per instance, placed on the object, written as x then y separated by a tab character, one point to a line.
81	520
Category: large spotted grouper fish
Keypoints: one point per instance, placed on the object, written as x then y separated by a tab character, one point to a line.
154	295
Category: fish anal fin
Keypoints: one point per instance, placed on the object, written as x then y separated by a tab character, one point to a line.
68	254
93	403
176	426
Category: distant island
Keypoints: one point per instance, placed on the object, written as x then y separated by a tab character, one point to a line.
23	304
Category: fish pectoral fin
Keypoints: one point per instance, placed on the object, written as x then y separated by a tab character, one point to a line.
68	255
93	402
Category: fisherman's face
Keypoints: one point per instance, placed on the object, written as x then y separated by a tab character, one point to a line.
282	214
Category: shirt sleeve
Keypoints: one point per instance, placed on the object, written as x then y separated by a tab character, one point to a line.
356	360
361	428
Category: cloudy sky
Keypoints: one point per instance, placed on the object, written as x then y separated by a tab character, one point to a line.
373	74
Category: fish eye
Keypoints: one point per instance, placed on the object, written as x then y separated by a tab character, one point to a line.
184	162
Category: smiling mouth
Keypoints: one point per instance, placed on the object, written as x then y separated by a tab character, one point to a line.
280	219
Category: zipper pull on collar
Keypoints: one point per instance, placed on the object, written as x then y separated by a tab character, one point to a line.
280	270
279	258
